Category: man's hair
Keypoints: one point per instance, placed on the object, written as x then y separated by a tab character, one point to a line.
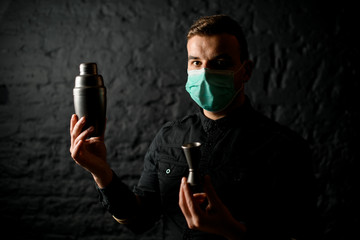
219	24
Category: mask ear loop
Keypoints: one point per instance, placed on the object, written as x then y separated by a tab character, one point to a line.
243	83
241	67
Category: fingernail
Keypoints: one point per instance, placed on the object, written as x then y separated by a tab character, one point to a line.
91	128
82	119
183	180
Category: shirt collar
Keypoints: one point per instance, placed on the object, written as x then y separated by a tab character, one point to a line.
238	116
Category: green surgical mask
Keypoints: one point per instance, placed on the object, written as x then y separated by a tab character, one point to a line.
212	90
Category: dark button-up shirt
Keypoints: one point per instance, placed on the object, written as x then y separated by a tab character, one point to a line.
260	170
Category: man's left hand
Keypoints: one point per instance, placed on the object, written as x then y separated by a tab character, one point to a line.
214	218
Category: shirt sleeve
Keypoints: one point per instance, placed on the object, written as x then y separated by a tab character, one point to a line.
141	208
137	213
118	199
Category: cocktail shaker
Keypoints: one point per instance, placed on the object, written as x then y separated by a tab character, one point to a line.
90	98
193	155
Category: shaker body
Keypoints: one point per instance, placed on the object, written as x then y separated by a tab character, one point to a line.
90	98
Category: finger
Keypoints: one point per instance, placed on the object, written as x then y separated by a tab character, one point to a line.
83	136
73	121
192	205
76	150
182	201
200	197
78	128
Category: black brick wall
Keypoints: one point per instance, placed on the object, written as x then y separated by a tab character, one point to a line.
306	77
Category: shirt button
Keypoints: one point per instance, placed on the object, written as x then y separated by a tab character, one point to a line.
168	171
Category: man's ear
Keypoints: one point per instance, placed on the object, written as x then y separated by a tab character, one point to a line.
248	66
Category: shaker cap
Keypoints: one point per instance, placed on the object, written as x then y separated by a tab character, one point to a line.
88	68
88	76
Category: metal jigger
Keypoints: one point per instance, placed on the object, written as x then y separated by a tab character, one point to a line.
193	154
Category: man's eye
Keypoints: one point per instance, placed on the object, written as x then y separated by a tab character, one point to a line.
222	63
196	63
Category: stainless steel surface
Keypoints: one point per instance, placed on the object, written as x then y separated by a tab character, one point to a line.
193	155
90	98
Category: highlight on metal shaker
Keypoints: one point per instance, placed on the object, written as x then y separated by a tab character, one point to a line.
90	98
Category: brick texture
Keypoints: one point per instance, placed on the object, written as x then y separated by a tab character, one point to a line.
305	77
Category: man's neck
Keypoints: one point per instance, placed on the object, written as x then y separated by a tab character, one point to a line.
238	102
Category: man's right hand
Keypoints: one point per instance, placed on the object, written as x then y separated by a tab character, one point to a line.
89	153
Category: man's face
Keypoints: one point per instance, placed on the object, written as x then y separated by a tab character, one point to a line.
216	52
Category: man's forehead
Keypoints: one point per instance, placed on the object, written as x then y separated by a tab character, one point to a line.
224	45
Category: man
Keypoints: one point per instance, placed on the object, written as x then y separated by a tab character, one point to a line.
257	180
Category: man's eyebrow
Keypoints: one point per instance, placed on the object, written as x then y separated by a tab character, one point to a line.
192	57
224	55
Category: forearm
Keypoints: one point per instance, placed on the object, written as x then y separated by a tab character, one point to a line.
103	176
